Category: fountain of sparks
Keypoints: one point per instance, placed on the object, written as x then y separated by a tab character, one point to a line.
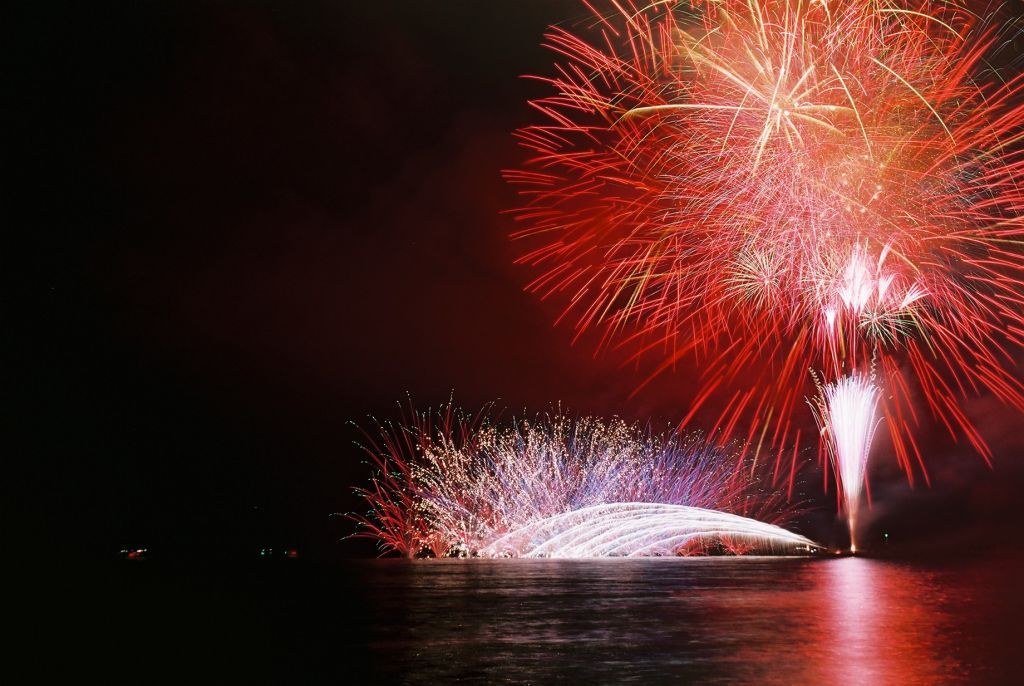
644	530
846	412
561	486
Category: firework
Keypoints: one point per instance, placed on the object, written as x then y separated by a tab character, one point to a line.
643	529
846	414
562	486
395	518
767	186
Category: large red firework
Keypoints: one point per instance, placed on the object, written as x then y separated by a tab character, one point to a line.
772	186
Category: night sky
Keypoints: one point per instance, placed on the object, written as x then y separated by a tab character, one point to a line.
239	226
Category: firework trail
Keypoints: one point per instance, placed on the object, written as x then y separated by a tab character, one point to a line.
561	486
395	518
846	413
761	187
643	529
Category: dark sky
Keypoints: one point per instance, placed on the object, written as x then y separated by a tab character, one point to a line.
240	225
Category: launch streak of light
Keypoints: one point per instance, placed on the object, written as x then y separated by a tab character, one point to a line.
846	411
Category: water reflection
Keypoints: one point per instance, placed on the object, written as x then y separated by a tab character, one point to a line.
861	623
887	626
711	620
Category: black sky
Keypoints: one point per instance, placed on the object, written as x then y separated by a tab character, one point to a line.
239	225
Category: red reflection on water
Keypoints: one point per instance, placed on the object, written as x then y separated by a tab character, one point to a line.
881	625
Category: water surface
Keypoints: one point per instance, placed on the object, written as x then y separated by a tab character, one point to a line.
706	620
650	621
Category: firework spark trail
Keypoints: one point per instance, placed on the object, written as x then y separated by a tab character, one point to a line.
449	484
642	529
766	186
846	414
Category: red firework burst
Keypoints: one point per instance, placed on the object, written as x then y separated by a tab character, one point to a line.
771	186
